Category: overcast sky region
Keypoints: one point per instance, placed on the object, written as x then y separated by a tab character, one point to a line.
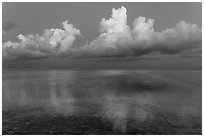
102	35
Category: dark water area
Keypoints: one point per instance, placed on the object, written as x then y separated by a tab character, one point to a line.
102	102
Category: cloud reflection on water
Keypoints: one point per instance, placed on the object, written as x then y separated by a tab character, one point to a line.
94	93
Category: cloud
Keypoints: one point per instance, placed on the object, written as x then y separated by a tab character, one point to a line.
53	42
116	39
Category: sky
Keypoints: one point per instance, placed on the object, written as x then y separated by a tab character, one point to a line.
102	35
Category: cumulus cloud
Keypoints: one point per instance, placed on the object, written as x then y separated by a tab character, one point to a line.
53	42
117	39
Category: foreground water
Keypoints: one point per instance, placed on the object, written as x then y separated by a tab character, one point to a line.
102	102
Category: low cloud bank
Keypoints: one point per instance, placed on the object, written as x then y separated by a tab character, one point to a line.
53	42
117	39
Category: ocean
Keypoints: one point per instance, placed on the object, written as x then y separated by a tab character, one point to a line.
102	102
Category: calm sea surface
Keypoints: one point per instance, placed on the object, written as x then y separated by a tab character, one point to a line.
146	102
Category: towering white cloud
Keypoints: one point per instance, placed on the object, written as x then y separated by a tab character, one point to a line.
116	39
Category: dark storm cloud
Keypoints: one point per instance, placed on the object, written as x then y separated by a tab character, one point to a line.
117	39
8	25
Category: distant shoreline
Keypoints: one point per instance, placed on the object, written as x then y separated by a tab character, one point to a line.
92	69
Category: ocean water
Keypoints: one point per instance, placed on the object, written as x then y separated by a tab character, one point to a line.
102	102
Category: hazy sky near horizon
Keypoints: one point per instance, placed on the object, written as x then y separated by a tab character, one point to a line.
34	18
